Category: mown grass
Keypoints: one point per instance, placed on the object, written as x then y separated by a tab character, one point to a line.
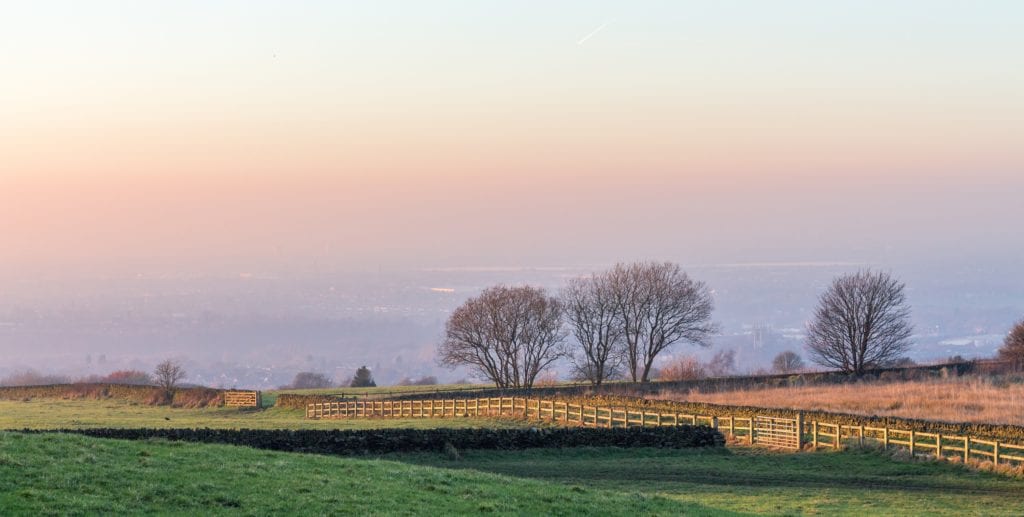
75	475
756	481
64	474
81	414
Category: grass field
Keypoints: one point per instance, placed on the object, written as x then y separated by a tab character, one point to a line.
750	480
78	414
116	477
964	399
382	391
110	477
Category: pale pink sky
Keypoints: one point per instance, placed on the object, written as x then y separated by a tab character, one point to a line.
256	135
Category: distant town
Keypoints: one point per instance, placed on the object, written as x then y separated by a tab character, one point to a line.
257	330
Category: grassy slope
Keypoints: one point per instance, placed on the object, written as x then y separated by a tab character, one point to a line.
97	476
52	414
756	481
116	477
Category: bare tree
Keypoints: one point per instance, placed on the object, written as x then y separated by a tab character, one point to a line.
722	363
167	374
507	335
590	312
787	362
657	305
862	321
1012	350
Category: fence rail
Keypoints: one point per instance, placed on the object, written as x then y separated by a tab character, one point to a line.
529	408
945	446
764	430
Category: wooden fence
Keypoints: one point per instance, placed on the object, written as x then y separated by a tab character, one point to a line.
941	445
530	408
242	398
763	430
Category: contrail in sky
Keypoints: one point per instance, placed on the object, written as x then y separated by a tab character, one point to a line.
595	31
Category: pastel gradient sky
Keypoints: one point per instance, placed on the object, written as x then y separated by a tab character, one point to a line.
245	135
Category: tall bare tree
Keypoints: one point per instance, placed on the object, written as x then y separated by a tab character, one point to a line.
507	334
862	321
1012	350
658	305
167	374
590	312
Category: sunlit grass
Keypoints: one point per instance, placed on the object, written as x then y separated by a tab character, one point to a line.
80	414
965	399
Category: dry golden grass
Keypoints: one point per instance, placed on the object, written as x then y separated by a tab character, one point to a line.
966	399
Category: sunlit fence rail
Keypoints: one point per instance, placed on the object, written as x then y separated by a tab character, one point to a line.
529	408
242	398
769	430
946	446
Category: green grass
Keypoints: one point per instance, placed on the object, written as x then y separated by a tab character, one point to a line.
270	396
80	414
96	476
65	474
755	481
387	391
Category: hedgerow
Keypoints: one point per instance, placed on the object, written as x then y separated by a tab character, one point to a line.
191	397
710	384
381	441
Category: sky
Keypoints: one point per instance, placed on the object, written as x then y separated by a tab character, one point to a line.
202	136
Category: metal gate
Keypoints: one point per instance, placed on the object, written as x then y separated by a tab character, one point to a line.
777	432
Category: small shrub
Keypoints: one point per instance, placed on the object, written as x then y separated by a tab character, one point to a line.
683	368
451	452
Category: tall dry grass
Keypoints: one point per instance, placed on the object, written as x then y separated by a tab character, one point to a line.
963	399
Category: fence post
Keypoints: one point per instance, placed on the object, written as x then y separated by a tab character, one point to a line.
799	430
995	453
860	436
912	436
938	445
885	438
967	448
814	433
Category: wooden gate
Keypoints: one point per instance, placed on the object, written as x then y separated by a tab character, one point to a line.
783	433
242	398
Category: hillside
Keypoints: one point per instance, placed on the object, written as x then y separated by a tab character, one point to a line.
98	476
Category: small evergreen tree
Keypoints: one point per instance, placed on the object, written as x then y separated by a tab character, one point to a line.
363	378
